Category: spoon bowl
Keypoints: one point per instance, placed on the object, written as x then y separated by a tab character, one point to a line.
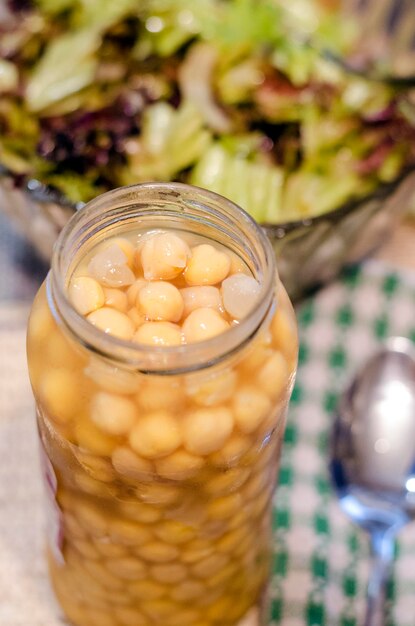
372	457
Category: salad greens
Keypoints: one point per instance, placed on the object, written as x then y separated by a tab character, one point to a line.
233	95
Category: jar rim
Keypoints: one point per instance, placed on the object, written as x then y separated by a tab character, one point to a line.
105	210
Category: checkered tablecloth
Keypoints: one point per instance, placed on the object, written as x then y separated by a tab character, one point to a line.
322	561
321	565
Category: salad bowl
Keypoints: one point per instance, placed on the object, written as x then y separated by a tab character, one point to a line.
267	104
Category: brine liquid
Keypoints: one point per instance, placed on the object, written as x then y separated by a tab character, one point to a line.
160	487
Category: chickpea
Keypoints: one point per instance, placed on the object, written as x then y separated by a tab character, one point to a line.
115	415
158	494
100	469
119	600
155	435
227	482
262	502
116	299
207	266
189	510
93	439
132	291
137	318
157	552
60	390
164	256
128	533
211	390
255	356
128	464
223	576
225	507
127	568
99	617
221	607
41	322
112	322
229	542
160	301
101	575
72	607
176	533
91	519
130	617
108	549
60	351
206	430
231	453
159	610
140	512
250	408
237	265
179	466
159	393
203	324
85	549
147	590
72	527
184	617
86	294
210	566
112	378
187	591
159	334
197	550
169	573
240	519
256	485
91	486
66	500
284	335
274	376
201	296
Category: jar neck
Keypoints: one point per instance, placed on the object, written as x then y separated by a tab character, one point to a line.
151	206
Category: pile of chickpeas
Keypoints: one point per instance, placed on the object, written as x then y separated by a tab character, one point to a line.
162	484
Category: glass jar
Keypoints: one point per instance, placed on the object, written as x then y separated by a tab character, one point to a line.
169	539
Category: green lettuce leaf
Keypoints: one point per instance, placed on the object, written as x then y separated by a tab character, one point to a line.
170	141
68	65
245	24
255	186
169	24
70	61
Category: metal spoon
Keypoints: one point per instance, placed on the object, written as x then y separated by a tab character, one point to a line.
373	458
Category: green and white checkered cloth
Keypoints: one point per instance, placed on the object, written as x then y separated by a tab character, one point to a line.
321	563
322	560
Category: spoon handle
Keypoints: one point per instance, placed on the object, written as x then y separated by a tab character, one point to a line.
382	547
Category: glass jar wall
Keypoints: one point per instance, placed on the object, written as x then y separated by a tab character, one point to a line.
151	531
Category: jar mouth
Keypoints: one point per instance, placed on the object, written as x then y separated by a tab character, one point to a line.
184	206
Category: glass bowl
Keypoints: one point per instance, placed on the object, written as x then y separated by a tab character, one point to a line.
309	252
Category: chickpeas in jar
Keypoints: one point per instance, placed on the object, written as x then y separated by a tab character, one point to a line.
162	352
